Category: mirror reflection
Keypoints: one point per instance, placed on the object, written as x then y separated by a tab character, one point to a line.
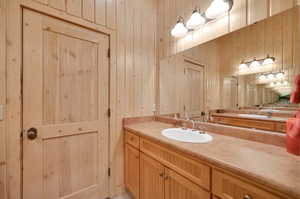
243	79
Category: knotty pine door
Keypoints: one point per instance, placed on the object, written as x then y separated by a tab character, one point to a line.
65	103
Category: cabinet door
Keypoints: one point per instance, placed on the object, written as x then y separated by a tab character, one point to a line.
132	170
178	187
228	187
151	178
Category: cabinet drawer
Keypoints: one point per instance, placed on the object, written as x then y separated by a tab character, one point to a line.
132	139
229	187
194	171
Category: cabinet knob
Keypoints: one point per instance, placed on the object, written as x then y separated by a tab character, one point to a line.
248	196
161	175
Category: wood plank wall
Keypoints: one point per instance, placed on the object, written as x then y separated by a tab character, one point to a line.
2	98
243	13
132	27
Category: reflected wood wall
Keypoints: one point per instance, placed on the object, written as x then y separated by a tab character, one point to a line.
277	36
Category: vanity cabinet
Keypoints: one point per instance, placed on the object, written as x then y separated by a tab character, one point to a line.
157	171
132	170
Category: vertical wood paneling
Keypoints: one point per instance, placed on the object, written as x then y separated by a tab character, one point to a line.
257	10
100	7
74	7
277	6
13	122
58	4
3	163
88	10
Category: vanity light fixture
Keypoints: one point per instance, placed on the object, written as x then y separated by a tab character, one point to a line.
262	77
255	63
243	65
179	29
280	75
269	60
217	8
270	76
195	21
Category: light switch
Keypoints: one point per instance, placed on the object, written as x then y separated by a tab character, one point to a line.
1	112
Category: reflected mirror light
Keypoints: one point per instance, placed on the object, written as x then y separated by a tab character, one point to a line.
217	8
269	60
254	64
179	29
195	21
243	66
280	75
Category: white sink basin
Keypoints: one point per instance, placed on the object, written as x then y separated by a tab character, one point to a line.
187	135
253	116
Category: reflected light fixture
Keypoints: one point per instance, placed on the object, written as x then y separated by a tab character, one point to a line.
285	83
270	76
262	77
272	84
269	60
179	29
243	65
195	21
280	75
254	63
217	8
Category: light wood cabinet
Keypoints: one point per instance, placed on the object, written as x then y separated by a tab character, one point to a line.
152	178
156	171
132	139
229	187
132	170
178	187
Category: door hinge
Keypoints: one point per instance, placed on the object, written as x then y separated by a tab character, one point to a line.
109	172
108	53
108	112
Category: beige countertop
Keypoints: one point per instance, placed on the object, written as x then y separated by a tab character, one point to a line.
265	164
236	115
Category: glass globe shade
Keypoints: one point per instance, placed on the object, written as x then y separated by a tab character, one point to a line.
285	83
243	66
262	77
279	75
254	64
195	21
268	60
179	30
217	8
270	76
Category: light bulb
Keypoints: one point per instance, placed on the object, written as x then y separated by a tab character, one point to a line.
217	8
285	83
262	77
269	60
243	66
254	64
195	21
179	29
280	75
270	76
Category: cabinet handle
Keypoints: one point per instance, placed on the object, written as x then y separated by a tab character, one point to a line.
161	175
248	196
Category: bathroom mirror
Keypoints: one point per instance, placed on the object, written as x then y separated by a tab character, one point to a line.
249	71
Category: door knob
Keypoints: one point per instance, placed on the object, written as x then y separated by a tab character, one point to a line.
32	133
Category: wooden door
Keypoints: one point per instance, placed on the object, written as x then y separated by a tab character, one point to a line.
65	103
230	93
195	89
151	178
132	170
178	187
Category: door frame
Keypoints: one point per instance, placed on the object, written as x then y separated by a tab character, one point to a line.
14	73
198	64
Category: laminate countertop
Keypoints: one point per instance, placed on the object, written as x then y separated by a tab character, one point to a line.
265	164
252	117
